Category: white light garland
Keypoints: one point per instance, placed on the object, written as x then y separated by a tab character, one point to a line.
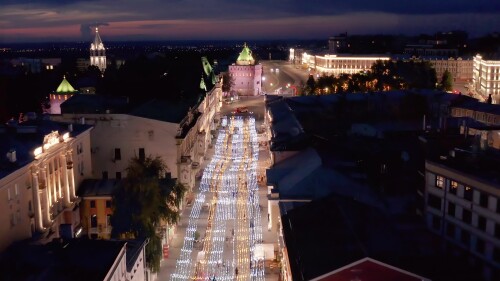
229	186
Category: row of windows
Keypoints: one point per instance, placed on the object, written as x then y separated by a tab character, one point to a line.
93	203
118	154
436	202
465	238
93	221
467	192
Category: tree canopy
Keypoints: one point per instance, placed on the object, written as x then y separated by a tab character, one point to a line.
383	76
446	81
142	202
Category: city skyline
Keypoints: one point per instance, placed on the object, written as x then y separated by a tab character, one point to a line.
68	20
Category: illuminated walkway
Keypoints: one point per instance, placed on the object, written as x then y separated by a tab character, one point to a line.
228	189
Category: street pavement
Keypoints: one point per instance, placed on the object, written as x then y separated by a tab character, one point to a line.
229	253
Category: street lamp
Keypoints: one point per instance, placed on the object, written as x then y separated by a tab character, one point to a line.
263	78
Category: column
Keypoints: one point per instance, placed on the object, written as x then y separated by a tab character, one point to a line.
65	182
71	178
45	197
37	209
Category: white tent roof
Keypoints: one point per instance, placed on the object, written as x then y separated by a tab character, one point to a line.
264	251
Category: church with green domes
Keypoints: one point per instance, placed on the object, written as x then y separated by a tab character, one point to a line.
246	74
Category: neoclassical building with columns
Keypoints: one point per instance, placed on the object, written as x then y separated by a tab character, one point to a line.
43	166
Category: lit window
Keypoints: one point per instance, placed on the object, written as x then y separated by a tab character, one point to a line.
468	193
453	187
439	181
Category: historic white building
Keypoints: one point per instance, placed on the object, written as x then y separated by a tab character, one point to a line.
338	64
98	52
45	163
459	68
156	128
246	75
486	78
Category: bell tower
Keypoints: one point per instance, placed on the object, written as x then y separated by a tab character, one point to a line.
98	52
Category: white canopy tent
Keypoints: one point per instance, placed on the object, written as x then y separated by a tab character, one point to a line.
264	251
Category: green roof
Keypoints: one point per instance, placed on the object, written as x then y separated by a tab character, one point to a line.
65	87
245	55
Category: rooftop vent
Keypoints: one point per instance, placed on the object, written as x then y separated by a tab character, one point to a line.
11	155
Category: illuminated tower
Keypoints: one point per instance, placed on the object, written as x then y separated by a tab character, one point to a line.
246	74
98	52
63	92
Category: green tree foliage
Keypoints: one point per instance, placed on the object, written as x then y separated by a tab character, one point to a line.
142	202
447	81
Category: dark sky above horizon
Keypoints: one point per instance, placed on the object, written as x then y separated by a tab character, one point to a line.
65	20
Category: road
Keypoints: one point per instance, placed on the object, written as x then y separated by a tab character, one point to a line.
223	248
287	74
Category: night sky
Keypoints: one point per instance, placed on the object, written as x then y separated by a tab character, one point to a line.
70	20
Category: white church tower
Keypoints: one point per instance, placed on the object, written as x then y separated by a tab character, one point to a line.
98	52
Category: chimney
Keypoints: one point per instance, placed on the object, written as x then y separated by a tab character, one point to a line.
11	155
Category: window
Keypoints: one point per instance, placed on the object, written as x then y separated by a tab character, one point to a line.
9	196
108	203
480	245
453	187
481	223
434	201
105	175
497	230
466	216
93	221
483	200
439	181
451	209
468	193
118	154
142	154
496	255
108	220
465	238
450	230
436	223
118	175
92	203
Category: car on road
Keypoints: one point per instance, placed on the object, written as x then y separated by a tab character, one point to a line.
241	109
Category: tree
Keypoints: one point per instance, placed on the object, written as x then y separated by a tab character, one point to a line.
310	86
227	82
142	202
447	81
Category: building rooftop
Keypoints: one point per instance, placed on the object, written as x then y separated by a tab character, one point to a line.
328	234
94	104
76	259
65	87
25	137
164	110
98	187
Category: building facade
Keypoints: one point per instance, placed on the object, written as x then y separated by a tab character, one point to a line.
465	210
486	78
98	52
460	69
337	64
40	182
247	76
